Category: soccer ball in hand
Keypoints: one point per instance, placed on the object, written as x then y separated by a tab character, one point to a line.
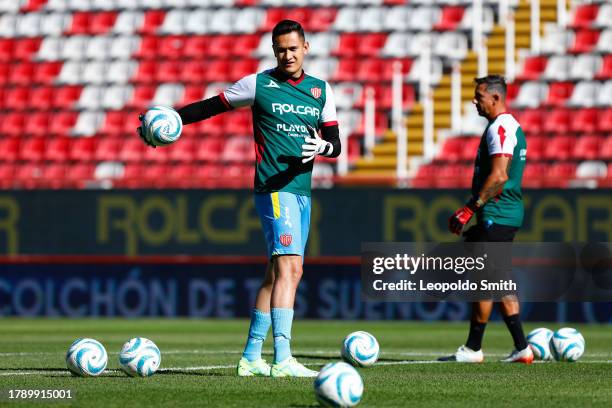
162	125
567	344
539	341
86	358
360	349
338	385
139	357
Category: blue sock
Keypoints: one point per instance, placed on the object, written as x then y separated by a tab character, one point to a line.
281	328
260	323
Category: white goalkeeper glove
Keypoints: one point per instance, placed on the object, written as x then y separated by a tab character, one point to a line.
315	145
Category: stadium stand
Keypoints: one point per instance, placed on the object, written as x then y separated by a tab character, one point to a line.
74	74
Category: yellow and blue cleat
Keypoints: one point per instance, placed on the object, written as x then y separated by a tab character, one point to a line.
291	368
257	368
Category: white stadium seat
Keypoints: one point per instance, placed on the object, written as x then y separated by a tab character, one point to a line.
197	21
28	25
128	21
452	45
604	97
116	96
221	3
104	5
124	47
585	94
348	121
558	68
88	123
98	47
266	63
347	94
55	24
435	71
79	5
604	16
488	19
585	66
127	4
346	19
397	45
175	4
94	72
265	46
57	5
120	72
91	97
70	73
471	122
556	40
74	47
371	19
168	94
199	3
419	41
151	4
423	18
322	68
604	43
8	23
174	22
50	49
396	18
248	20
592	169
9	6
531	95
222	21
321	44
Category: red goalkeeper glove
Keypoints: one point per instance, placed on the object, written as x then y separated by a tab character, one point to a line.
463	215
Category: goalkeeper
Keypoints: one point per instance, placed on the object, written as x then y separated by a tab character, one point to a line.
289	109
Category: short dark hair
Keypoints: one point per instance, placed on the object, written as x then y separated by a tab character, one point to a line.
286	27
493	83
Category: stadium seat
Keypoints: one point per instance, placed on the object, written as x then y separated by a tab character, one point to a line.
87	123
37	124
26	48
606	68
13	124
531	122
107	148
587	147
606	150
583	16
451	45
132	150
148	47
54	24
28	25
238	123
585	66
371	20
78	174
181	176
533	174
10	149
423	18
128	22
584	94
82	149
65	97
488	19
168	71
531	94
174	22
559	93
585	41
209	149
535	148
345	19
556	39
32	149
46	72
242	68
62	123
196	47
370	45
604	16
113	123
171	47
557	121
17	98
321	19
218	71
558	68
57	149
584	121
103	22
156	155
21	74
450	18
347	45
6	49
80	24
533	68
244	45
559	148
220	45
560	174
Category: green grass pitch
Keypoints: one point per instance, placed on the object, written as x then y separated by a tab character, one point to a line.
198	359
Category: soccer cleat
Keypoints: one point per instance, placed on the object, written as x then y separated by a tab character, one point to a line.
524	356
465	355
257	368
291	368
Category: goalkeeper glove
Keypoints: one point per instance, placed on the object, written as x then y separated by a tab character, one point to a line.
463	215
142	132
315	145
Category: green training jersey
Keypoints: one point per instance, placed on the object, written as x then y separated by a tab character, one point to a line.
283	110
503	136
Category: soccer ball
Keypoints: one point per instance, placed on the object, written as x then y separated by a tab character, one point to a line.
338	385
139	357
86	358
539	341
360	349
162	125
567	344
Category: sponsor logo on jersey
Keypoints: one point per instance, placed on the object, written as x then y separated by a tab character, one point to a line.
283	108
272	84
289	127
316	92
285	239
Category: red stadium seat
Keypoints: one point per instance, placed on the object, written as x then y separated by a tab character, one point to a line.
193	72
237	176
242	68
143	95
181	176
584	15
32	149
47	72
605	121
57	149
113	123
7	175
102	22
192	93
151	22
585	41
321	19
81	21
212	126
559	93
450	19
33	5
168	71
13	124
62	123
78	174
273	16
559	148
347	46
41	98
196	47
531	121
155	155
533	68
606	68
171	47
346	70
26	48
131	122
451	150
6	49
454	176
148	48
132	150
370	70
238	123
37	124
182	151
560	174
28	175
470	149
534	173
66	97
219	45
10	149
146	72
218	70
107	149
535	148
557	121
584	121
17	98
21	73
209	149
606	151
4	73
238	149
371	44
53	176
82	149
244	45
587	147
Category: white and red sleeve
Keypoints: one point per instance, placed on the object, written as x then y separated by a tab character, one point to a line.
241	93
501	136
328	115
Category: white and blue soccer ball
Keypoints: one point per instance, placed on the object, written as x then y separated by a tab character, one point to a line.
86	358
360	349
567	344
539	341
139	357
338	385
162	125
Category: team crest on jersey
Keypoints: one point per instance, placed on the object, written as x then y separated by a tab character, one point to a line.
316	92
285	239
